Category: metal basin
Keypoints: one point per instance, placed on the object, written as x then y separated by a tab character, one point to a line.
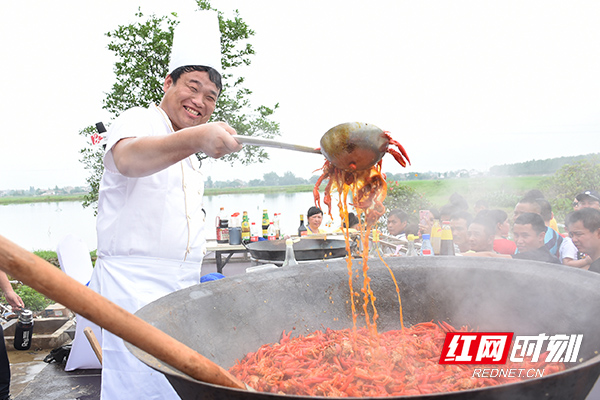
224	320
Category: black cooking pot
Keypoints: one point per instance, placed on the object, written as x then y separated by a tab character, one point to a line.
224	320
307	249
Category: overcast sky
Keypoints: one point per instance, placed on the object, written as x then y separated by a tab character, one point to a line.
461	84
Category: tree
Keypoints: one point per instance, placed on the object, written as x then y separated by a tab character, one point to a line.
271	179
568	182
143	51
405	198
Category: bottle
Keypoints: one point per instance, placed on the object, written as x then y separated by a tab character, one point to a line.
254	232
218	223
222	223
410	251
245	228
426	248
24	331
271	231
302	231
235	229
276	224
436	237
290	258
447	246
223	237
265	224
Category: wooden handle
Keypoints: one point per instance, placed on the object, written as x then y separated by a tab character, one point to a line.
89	334
52	282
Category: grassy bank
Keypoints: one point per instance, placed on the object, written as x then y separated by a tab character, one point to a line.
436	191
40	199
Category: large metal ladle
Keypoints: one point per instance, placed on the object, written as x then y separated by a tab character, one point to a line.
348	146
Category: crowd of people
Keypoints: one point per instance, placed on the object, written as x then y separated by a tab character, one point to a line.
535	233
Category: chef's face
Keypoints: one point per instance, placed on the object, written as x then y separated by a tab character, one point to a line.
526	238
586	241
395	226
191	101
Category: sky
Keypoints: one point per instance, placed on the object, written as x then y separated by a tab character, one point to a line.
461	84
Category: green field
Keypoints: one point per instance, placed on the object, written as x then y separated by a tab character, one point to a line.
501	190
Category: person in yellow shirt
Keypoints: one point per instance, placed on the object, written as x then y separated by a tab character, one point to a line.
314	218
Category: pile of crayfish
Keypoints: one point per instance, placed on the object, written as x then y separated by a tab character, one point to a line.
348	363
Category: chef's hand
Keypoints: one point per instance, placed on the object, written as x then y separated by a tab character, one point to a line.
215	139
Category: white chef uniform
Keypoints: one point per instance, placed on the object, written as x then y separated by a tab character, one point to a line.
150	243
150	229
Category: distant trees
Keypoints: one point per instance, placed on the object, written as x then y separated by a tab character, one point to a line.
569	181
537	167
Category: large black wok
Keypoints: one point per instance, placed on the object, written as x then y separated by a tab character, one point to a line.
307	249
226	319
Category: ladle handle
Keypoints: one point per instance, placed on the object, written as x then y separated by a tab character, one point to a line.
52	282
254	141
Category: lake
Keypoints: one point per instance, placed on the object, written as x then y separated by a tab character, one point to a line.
40	226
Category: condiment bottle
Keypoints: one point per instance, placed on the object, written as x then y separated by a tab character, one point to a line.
265	224
245	228
271	231
276	224
447	246
426	248
24	331
254	232
302	231
290	258
411	251
436	237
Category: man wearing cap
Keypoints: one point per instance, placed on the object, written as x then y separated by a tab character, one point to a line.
584	230
150	221
589	198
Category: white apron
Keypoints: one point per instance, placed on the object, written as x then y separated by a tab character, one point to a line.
129	378
150	243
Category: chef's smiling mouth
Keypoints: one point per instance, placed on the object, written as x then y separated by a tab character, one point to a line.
191	111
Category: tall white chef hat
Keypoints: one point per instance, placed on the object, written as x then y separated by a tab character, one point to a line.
197	41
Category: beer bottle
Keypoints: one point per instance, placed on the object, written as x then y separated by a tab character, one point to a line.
245	228
265	224
302	231
447	246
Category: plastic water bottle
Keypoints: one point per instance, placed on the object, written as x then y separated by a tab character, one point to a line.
426	248
24	331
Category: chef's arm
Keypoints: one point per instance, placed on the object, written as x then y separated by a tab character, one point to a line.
142	156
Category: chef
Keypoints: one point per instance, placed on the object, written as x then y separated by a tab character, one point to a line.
150	221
